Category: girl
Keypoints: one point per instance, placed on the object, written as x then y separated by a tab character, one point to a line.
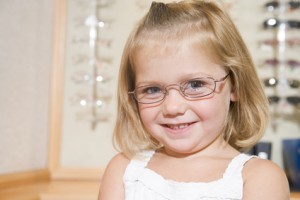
189	101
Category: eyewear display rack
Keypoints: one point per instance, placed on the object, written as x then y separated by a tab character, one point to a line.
283	87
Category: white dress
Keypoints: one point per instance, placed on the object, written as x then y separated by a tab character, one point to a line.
142	183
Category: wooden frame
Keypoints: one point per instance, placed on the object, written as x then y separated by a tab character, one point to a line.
59	38
56	83
23	178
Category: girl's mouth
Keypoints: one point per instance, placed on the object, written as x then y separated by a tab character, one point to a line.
177	126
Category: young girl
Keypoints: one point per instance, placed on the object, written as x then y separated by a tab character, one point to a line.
189	101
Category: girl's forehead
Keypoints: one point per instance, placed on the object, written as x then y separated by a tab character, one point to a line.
174	64
162	43
160	50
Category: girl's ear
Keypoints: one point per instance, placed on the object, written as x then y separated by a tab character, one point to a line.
233	96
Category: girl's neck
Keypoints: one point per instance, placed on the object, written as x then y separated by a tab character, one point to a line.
223	149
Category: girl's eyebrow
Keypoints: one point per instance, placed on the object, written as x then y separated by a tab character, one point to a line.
145	83
182	79
195	75
198	75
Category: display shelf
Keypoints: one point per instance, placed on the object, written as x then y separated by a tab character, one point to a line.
52	190
63	190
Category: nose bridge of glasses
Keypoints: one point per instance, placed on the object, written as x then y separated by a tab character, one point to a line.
173	86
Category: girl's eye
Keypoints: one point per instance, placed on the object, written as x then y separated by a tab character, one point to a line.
195	84
151	90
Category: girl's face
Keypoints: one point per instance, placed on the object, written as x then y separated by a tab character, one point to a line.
183	126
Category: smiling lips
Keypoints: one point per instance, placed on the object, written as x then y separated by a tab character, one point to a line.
177	126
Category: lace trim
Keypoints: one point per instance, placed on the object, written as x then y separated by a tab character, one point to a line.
141	178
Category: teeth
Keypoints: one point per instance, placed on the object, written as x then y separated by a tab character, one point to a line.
179	126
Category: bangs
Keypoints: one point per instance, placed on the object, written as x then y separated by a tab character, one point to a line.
196	35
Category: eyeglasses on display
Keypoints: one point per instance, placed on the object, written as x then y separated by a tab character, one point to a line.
274	5
85	77
293	100
275	62
104	42
274	23
95	3
191	89
291	43
85	59
273	82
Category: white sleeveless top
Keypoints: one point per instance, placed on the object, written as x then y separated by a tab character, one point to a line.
142	183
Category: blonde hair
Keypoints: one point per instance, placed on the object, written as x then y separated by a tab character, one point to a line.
211	28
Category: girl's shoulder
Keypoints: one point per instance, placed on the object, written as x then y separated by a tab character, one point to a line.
120	161
111	187
257	167
266	177
119	158
118	164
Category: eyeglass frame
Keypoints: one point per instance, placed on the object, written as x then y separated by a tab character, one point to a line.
165	89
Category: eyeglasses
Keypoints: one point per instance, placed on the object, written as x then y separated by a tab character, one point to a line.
272	82
291	42
98	3
293	100
275	62
104	42
274	23
273	5
191	89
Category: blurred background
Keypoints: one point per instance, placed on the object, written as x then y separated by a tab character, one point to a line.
59	63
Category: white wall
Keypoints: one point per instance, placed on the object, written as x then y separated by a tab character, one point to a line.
25	67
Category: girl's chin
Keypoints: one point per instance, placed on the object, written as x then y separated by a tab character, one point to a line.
180	150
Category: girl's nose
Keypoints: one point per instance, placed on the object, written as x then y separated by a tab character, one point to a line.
174	103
